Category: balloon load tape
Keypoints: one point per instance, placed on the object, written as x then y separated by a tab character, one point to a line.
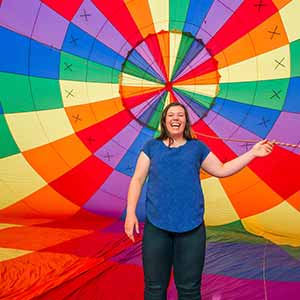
247	141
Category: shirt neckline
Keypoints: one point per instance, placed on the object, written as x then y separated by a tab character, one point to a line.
174	147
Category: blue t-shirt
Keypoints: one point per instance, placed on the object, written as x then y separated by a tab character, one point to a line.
174	199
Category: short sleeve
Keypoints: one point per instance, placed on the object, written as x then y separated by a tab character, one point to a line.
147	148
204	151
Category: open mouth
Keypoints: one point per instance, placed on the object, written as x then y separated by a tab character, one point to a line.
175	125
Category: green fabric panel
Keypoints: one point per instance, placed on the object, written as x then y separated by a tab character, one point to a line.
15	94
205	101
46	93
155	119
295	58
132	69
72	67
178	10
267	93
7	143
242	92
232	233
185	44
271	93
101	73
78	69
292	251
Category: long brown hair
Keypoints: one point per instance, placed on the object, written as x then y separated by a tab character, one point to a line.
164	134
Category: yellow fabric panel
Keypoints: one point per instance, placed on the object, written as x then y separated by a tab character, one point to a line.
4	225
130	80
102	91
167	101
209	90
19	177
56	123
6	193
27	130
270	65
290	15
175	39
77	93
272	224
218	208
274	64
8	253
160	14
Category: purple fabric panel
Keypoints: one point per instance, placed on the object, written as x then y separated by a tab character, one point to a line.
145	52
108	200
50	27
199	59
286	130
105	204
120	180
89	18
227	129
19	15
114	150
193	116
217	16
118	43
141	108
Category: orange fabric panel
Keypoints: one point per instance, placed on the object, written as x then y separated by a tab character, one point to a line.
248	194
80	116
130	91
107	108
164	45
140	11
256	42
37	237
281	3
46	203
47	162
208	78
71	149
294	200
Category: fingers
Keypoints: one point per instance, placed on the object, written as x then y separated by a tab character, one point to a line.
268	146
130	229
129	233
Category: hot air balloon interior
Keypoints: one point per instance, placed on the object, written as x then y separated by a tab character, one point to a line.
82	87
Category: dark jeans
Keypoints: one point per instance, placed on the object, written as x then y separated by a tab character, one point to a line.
184	251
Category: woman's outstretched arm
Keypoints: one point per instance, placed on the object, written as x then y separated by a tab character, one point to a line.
215	167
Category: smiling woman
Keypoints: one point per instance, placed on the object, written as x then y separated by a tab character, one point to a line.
175	204
175	125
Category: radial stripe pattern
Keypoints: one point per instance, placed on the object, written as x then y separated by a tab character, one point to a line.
82	87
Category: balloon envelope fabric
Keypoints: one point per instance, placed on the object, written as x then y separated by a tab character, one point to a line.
82	87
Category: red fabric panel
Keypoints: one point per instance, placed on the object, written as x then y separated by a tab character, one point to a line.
99	134
117	13
80	183
280	171
65	8
217	146
139	99
207	67
248	16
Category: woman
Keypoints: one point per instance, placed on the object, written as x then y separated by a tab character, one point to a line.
174	232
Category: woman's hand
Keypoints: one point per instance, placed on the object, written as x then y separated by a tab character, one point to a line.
131	223
262	148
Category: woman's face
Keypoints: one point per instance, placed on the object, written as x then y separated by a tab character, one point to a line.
175	121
